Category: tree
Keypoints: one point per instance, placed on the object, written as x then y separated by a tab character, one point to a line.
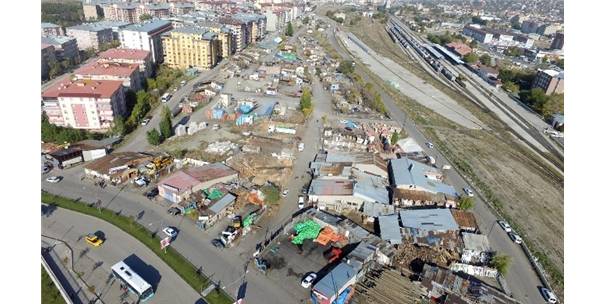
166	129
473	44
470	58
514	51
142	106
55	69
305	102
478	20
145	17
511	87
485	59
466	203
554	104
346	67
395	136
560	63
119	126
289	30
154	137
501	263
271	193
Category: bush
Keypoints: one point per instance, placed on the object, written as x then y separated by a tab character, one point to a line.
271	193
60	135
466	203
501	263
154	137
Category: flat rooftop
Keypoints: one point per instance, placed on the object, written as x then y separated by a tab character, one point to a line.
128	54
331	187
83	88
113	69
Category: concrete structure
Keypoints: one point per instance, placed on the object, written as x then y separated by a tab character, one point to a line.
530	26
91	35
241	31
66	48
258	22
181	8
191	47
334	194
84	104
120	12
181	184
476	248
550	81
477	33
558	41
146	36
547	29
51	29
48	56
128	74
92	10
129	56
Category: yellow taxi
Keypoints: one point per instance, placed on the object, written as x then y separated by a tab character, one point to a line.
94	239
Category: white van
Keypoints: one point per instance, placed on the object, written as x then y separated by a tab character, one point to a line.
166	97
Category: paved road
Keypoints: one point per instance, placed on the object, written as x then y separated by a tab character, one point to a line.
64	276
521	278
137	140
69	226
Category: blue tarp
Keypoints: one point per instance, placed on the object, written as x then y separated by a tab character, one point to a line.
343	296
218	113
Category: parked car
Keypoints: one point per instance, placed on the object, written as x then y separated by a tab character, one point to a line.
54	179
285	193
145	121
174	211
95	239
170	231
218	243
429	145
504	225
301	202
308	280
468	192
151	193
548	295
301	147
141	181
216	127
45	169
515	237
183	82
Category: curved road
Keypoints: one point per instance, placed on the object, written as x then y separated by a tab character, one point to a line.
69	226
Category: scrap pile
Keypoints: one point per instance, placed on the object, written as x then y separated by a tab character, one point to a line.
305	230
328	235
221	147
439	256
261	168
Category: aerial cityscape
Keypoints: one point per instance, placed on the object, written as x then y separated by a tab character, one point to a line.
290	151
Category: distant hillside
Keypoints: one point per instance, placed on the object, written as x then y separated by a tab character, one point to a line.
62	12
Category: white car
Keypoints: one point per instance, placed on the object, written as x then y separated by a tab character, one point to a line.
301	202
548	295
216	127
468	192
285	193
170	231
145	121
53	179
308	280
515	237
505	226
301	147
141	181
430	145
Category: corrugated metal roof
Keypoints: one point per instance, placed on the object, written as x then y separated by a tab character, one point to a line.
371	192
373	209
331	187
429	219
332	282
390	229
409	172
223	203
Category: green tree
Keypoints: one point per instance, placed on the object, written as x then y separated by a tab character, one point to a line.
289	29
511	87
485	59
554	104
346	67
142	106
166	129
271	193
145	17
470	58
395	136
119	126
501	263
466	203
154	137
473	44
305	102
55	69
151	84
560	63
514	51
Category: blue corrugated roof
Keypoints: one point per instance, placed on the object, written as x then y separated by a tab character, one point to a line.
409	172
429	219
221	204
390	229
335	280
371	192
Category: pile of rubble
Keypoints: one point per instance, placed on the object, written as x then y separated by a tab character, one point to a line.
262	168
220	147
407	253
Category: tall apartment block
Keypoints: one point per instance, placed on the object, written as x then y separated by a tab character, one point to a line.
191	47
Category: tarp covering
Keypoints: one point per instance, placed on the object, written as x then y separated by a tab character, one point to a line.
308	229
213	193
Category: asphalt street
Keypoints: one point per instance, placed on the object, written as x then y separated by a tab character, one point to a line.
521	278
70	226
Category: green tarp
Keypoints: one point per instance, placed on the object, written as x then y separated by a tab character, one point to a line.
308	229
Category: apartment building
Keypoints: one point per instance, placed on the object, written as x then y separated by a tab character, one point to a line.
477	33
146	36
51	29
241	30
127	73
84	104
258	25
550	81
156	10
141	58
191	47
181	8
115	26
48	56
126	12
90	35
66	48
558	41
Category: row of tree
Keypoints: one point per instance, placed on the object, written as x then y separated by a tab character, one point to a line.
55	134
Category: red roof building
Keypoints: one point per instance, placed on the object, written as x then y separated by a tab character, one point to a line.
458	48
125	72
129	56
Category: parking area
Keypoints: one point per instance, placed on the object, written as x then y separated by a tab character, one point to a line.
288	265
